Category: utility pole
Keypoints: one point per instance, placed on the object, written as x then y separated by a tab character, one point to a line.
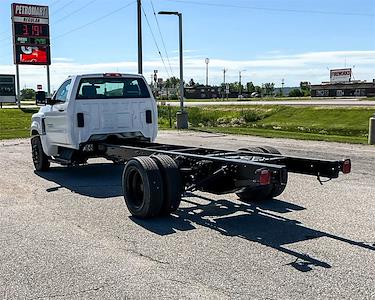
207	60
282	87
224	86
240	87
139	10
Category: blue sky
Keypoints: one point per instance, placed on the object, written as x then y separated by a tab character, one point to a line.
295	40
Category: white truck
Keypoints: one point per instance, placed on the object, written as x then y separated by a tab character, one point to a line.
115	116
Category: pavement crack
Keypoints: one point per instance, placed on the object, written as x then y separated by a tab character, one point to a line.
74	293
149	257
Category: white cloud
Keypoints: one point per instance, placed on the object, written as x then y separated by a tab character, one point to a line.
311	66
62	59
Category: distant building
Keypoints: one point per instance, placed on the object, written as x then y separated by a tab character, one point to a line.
202	92
344	89
342	85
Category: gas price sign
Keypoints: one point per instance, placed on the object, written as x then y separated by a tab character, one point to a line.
31	34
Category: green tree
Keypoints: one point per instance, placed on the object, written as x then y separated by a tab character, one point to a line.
250	87
171	82
235	86
269	88
305	88
27	94
296	93
174	80
279	92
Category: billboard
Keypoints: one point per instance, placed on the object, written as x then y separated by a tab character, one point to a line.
31	41
341	75
7	88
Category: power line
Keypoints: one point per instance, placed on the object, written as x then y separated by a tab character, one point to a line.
276	9
162	39
61	8
54	2
95	20
74	12
156	44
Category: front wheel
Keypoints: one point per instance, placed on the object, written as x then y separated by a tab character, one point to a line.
40	159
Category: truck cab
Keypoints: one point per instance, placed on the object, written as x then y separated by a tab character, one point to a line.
95	107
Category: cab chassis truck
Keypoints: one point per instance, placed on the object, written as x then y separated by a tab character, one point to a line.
155	175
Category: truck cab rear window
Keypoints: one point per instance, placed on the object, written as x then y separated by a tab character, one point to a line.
109	88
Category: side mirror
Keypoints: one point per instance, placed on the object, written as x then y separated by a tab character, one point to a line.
40	98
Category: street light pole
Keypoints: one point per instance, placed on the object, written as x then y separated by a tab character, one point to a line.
181	64
182	116
139	13
207	60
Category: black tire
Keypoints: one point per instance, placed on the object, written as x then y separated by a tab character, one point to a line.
40	159
277	189
142	187
252	149
172	185
261	193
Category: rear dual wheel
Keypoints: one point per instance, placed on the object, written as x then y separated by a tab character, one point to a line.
151	186
172	186
261	193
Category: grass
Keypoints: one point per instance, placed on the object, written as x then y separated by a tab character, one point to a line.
312	123
15	123
288	134
270	99
245	99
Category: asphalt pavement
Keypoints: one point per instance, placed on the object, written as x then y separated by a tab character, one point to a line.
66	233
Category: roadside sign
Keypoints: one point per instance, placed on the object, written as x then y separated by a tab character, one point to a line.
31	38
7	88
341	75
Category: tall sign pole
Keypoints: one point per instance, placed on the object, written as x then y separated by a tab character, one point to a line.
139	9
18	86
48	82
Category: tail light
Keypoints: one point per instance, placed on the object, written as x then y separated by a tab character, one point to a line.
346	166
264	177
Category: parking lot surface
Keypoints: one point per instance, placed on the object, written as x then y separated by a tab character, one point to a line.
66	233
